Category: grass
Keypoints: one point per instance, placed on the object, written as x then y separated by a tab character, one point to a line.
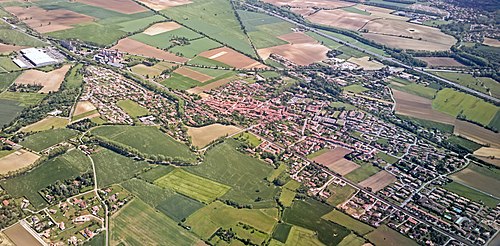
132	108
472	194
139	224
352	240
246	175
9	111
263	29
74	78
139	24
324	41
270	74
353	41
356	11
355	89
66	166
10	36
163	40
112	168
25	99
193	186
146	139
464	143
286	197
384	235
95	33
318	153
179	207
339	194
277	172
281	232
180	82
292	185
365	171
482	84
42	140
307	214
342	219
195	47
303	237
457	103
207	220
416	89
248	138
47	124
428	124
6	79
156	173
7	65
340	105
436	23
387	158
203	61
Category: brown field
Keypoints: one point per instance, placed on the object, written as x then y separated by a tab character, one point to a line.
152	71
50	81
378	181
303	11
83	107
406	43
122	6
479	181
491	42
4	240
341	19
161	28
426	8
232	58
308	3
17	160
39	19
200	89
486	152
202	136
366	64
495	161
477	133
184	71
419	107
20	236
131	46
331	156
302	49
441	62
163	4
343	166
6	48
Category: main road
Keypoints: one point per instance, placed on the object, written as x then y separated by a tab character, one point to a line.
381	57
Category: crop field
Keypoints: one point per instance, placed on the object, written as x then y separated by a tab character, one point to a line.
419	107
491	42
6	65
338	46
441	62
156	173
162	40
132	108
356	89
134	47
365	63
7	79
11	36
42	140
122	6
352	240
384	235
180	82
482	84
161	5
146	139
264	29
139	224
281	232
329	156
472	108
480	177
193	74
202	136
200	89
472	194
476	133
339	194
160	28
308	213
232	58
153	71
193	186
195	47
24	99
413	88
342	219
286	197
62	167
245	175
406	43
18	235
17	160
302	237
112	168
215	19
7	48
365	171
341	19
378	181
465	143
207	220
179	207
487	152
139	24
9	111
50	122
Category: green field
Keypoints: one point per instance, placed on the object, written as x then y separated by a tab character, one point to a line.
6	79
308	214
9	111
193	186
156	173
15	37
357	89
387	158
286	197
339	194
472	194
263	29
353	41
163	40
384	235
112	168
324	41
281	232
7	65
246	175
342	219
46	124
303	237
74	78
179	207
132	108
482	84
365	171
352	240
25	99
416	89
139	224
457	103
146	139
428	124
63	167
180	82
42	140
139	24
339	105
195	47
205	62
215	19
464	143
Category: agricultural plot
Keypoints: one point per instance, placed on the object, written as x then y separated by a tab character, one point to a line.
318	3
340	194
138	224
441	62
464	143
17	38
365	171
193	186
482	84
263	29
18	235
384	235
192	74
366	63
151	71
303	237
134	47
195	47
9	111
17	160
281	232
180	82
132	108
162	4
378	181
50	122
7	79
483	178
165	39
232	58
66	166
413	88
476	133
202	136
156	173
472	194
337	46
419	107
7	65
352	240
42	140
334	160
23	99
248	138
491	42
122	6
146	139
356	89
286	197
342	219
7	48
139	24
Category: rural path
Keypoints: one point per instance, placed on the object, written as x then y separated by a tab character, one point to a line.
96	191
495	100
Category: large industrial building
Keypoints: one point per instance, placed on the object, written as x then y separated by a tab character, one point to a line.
37	58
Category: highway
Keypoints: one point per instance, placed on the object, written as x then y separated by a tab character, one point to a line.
383	58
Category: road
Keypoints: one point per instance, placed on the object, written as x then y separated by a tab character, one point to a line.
381	57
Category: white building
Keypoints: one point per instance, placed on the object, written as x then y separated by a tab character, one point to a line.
38	57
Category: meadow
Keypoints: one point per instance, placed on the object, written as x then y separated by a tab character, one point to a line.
112	168
263	30
195	47
25	99
472	194
342	219
46	124
156	173
7	79
365	171
9	111
286	197
132	108
281	232
339	194
414	88
42	140
384	235
7	65
180	82
481	84
11	36
303	237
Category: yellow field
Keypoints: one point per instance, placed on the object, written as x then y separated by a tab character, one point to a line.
366	64
48	123
202	136
17	160
487	152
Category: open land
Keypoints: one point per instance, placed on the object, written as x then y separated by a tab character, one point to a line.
378	181
20	236
472	194
482	84
51	81
83	107
200	77
163	4
232	58
384	235
161	28
122	6
491	42
17	160
350	223
131	46
303	237
151	71
365	63
406	43
479	177
330	156
486	152
42	140
200	89
477	133
202	136
441	62
50	122
419	107
7	48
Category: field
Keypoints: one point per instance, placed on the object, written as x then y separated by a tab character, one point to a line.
352	240
195	47
482	84
387	158
112	168
17	160
339	194
134	47
122	6
7	79
491	42
232	58
302	237
490	155
18	38
412	88
334	160
464	143
156	173
263	29
378	181
24	99
281	232
161	5
356	89
406	43
202	136
152	71
337	46
362	173
180	82
9	111
51	81
318	3
193	186
483	178
139	224
472	194
160	28
441	62
384	235
165	39
50	122
342	219
419	107
365	63
301	49
42	140
132	108
62	167
249	138
199	89
472	108
286	197
20	236
146	139
192	74
476	133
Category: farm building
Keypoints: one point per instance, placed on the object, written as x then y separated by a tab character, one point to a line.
37	57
